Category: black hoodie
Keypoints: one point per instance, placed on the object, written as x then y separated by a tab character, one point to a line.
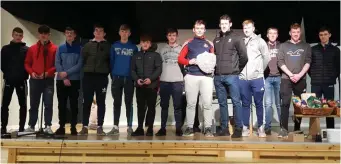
12	62
147	64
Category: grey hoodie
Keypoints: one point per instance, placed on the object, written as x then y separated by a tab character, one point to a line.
259	57
170	68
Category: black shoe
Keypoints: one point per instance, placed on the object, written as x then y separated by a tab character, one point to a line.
196	130
188	132
178	132
21	129
73	131
224	132
161	132
60	131
237	133
150	132
3	130
138	132
268	131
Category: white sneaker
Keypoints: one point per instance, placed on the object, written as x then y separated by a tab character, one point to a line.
29	129
246	131
114	131
261	132
48	130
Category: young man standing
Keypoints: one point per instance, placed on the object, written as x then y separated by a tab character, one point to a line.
146	67
294	59
252	77
42	79
15	76
171	82
196	81
68	65
272	77
231	59
120	58
324	69
96	67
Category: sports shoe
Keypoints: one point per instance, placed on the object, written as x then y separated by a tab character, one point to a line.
223	132
138	132
161	132
268	131
84	131
150	132
246	131
60	131
48	130
261	132
208	132
100	131
114	131
73	131
283	133
129	130
188	132
237	133
30	129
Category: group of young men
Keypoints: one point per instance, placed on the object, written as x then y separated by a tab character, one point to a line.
246	67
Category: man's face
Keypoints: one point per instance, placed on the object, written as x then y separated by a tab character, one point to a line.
44	37
248	29
172	37
295	34
199	30
145	45
225	25
99	33
70	35
324	36
124	34
17	37
272	35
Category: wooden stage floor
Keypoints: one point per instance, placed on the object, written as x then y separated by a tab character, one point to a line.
171	148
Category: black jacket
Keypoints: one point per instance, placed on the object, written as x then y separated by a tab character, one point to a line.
146	64
96	57
325	64
12	62
231	53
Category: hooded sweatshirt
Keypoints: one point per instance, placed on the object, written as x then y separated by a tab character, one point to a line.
34	61
272	68
258	58
171	71
120	58
294	56
12	62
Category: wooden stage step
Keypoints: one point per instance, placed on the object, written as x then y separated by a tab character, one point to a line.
197	149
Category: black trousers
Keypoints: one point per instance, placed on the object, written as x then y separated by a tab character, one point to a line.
119	84
328	93
287	87
94	83
146	97
21	90
63	94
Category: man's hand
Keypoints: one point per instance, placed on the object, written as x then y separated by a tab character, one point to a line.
67	82
62	75
140	82
43	75
295	78
147	81
35	76
193	61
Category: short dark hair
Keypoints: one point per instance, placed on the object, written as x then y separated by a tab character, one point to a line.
225	17
44	29
145	37
98	26
70	29
172	30
324	28
125	27
18	30
198	22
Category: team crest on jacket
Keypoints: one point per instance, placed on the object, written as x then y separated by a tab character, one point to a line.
205	45
230	39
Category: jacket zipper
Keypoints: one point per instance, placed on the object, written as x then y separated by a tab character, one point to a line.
95	61
144	53
222	50
324	49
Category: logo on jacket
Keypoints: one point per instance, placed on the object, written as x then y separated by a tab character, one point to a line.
104	90
205	45
296	53
230	40
217	41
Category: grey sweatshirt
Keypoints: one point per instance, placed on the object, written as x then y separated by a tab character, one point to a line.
294	56
170	68
259	57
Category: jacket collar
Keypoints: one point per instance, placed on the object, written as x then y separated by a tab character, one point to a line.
20	43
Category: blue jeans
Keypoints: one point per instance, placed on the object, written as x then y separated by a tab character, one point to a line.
232	83
272	88
249	88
